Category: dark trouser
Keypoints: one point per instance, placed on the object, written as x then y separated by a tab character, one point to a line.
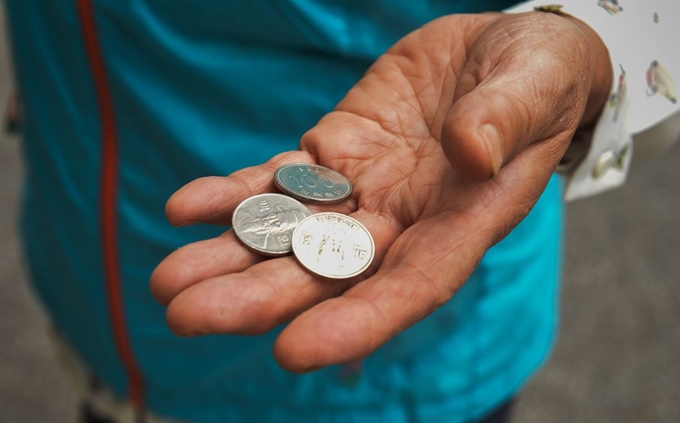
501	415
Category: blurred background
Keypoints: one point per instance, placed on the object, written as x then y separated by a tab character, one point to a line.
617	358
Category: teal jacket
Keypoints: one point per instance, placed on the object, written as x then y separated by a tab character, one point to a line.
126	101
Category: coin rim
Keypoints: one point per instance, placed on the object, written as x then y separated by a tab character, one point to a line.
254	248
312	200
360	271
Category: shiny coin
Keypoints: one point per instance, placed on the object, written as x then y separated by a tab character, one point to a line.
333	245
312	183
265	222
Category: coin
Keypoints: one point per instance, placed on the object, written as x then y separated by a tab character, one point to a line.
312	183
265	222
333	245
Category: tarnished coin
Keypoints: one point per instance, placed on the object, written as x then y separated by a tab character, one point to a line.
312	183
333	245
265	222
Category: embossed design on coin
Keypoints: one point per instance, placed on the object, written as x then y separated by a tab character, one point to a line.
333	245
265	222
312	183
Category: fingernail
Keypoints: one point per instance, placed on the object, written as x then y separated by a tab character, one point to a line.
492	139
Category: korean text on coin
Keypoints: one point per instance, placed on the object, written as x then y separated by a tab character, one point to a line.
333	245
312	183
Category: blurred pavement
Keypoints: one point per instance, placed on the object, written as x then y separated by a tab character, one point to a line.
616	359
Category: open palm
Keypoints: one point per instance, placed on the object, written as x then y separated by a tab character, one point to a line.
449	140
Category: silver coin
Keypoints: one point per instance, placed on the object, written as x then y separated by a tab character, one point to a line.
312	183
265	222
333	245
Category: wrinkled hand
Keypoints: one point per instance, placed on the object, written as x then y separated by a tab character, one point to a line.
449	139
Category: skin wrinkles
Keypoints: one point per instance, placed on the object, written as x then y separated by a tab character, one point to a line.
211	201
426	87
417	149
481	66
435	172
193	263
442	80
388	226
261	305
362	137
440	288
548	62
538	52
424	283
403	293
523	109
342	336
426	163
443	71
538	26
417	145
518	206
391	120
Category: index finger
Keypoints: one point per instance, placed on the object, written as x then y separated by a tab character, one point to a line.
213	199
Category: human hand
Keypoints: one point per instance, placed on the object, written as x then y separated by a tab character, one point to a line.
449	140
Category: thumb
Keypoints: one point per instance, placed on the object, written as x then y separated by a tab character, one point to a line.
515	90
